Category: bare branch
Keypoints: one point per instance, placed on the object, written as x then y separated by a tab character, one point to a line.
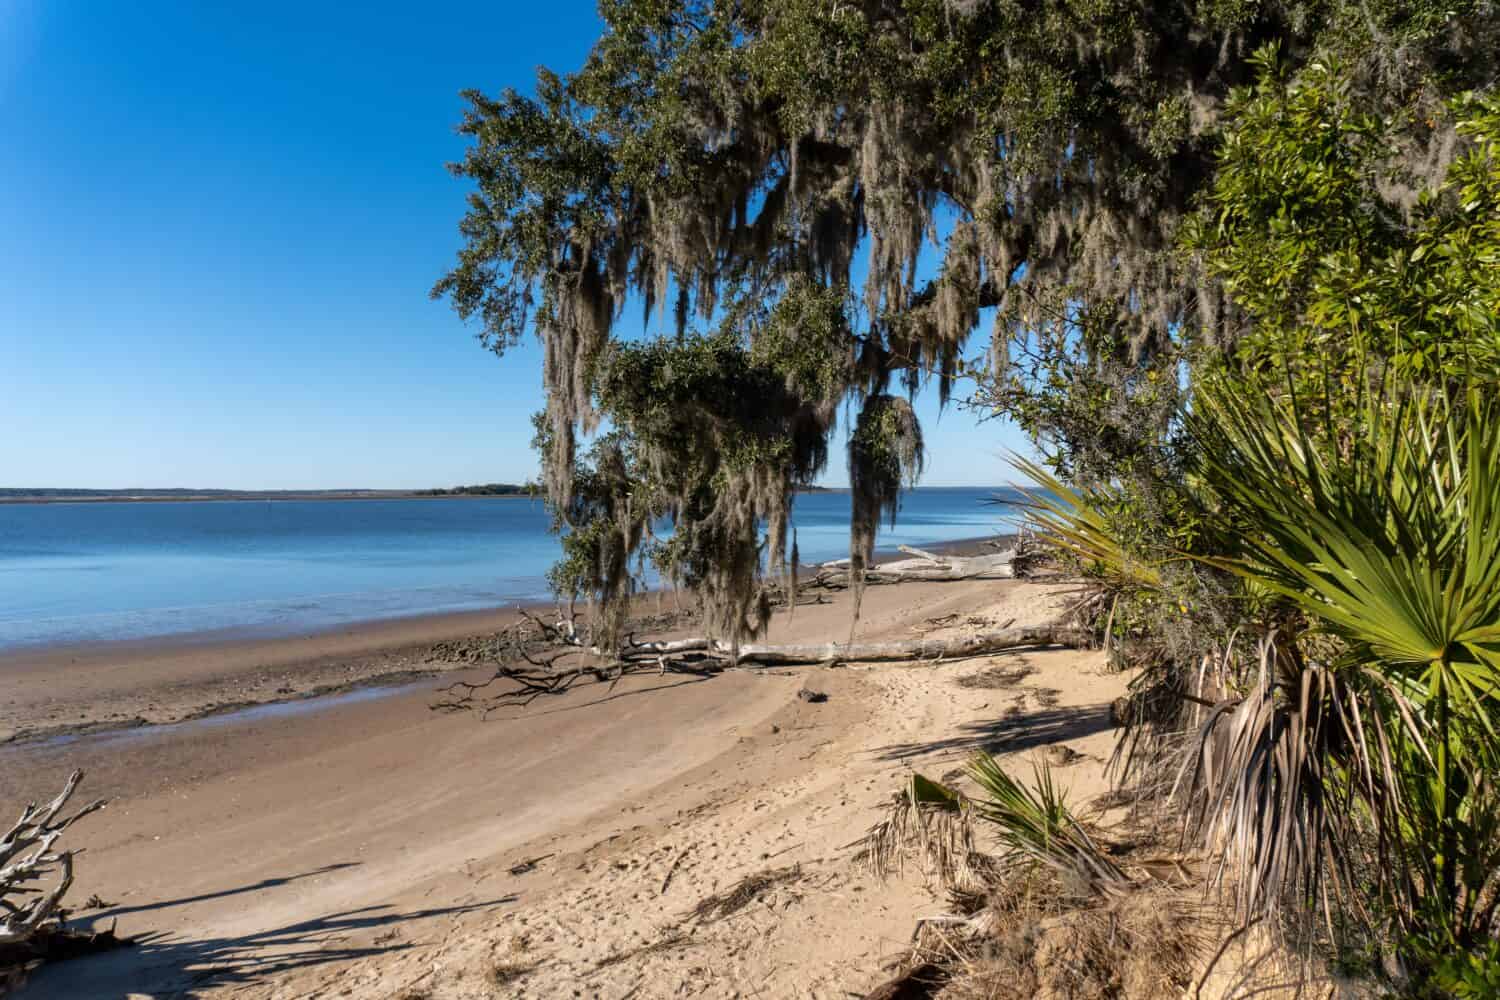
27	856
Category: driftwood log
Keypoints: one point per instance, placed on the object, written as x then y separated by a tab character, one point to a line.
784	654
520	684
923	565
570	659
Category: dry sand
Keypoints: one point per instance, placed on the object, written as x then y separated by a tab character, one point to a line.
373	848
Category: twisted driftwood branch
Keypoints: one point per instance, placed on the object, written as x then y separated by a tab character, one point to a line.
27	857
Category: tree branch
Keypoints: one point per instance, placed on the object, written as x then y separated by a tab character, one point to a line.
27	856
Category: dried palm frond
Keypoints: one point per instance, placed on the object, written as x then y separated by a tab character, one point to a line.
747	890
1258	787
931	819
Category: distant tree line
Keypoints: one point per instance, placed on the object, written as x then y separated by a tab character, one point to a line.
482	490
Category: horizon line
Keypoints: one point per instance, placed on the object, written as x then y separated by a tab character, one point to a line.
59	490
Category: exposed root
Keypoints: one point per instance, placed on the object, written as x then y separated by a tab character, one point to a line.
1147	944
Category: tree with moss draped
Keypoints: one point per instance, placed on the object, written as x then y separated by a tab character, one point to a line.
742	162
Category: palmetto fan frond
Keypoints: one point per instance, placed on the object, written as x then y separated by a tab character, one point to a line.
1073	521
1384	538
1391	543
1353	757
1033	826
1036	824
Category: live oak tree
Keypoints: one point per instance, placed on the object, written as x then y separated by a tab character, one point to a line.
828	197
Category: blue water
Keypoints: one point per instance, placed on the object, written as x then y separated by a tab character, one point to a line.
101	571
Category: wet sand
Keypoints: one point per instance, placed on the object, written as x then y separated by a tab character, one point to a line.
71	689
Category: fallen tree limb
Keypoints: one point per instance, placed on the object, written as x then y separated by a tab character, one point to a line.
665	648
924	565
895	650
519	685
1003	556
907	649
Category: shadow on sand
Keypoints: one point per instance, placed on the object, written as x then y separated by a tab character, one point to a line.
1025	731
265	883
180	966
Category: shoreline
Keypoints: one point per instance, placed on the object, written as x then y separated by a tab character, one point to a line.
443	624
23	655
134	683
253	496
92	688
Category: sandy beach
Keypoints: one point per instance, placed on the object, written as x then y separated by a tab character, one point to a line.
367	846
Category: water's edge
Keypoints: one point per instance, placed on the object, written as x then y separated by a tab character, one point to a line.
235	570
360	689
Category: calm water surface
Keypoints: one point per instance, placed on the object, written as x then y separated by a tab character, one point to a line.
98	571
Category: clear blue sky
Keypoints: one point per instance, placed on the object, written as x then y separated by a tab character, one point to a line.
218	227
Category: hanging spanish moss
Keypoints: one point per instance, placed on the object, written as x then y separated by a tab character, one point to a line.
724	428
603	524
710	160
885	457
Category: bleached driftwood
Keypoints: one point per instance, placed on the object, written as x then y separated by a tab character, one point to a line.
924	566
894	651
701	656
780	654
27	857
560	669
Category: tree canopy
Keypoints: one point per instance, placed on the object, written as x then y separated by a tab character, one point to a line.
830	196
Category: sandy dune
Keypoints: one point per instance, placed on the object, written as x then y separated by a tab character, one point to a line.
376	849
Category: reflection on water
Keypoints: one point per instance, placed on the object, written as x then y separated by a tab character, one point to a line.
255	713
